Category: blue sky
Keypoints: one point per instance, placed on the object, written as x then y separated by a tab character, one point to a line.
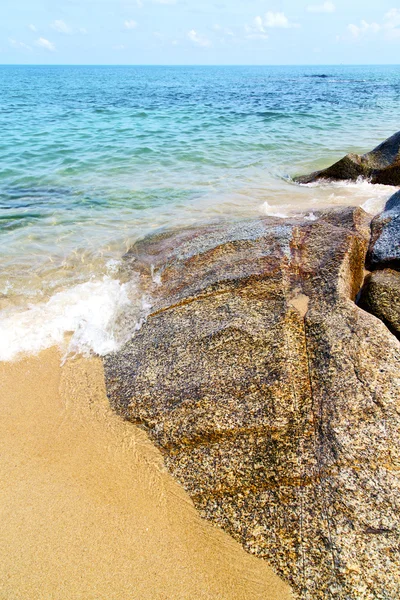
199	32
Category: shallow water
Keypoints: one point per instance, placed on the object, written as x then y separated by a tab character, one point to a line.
92	158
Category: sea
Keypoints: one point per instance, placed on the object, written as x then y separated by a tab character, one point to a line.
93	158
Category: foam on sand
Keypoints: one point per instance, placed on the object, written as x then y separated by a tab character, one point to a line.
88	312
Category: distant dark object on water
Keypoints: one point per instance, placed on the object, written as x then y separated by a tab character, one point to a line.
382	165
322	76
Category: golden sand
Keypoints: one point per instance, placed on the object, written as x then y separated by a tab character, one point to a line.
87	509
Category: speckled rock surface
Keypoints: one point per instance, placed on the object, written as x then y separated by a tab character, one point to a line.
380	296
273	397
381	165
393	202
384	249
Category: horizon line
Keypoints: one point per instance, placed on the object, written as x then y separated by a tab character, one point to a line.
198	65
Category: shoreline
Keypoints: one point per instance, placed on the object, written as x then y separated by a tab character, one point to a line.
86	312
88	509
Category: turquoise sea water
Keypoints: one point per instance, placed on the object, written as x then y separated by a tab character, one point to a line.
91	158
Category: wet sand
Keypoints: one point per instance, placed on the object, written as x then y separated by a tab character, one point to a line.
87	509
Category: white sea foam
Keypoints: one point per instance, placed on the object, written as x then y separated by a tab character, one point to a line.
155	276
88	312
375	204
371	197
112	266
274	211
311	217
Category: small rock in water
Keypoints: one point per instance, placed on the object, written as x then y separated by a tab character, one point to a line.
381	165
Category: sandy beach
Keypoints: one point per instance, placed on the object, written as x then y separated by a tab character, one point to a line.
215	242
87	508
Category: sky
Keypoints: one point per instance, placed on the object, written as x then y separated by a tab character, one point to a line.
254	32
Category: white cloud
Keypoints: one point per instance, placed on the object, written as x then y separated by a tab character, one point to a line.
197	39
32	27
19	45
256	31
130	24
389	28
326	7
354	30
393	16
61	26
391	23
259	25
278	19
363	29
270	20
46	44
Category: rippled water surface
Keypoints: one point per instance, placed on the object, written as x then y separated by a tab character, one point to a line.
94	157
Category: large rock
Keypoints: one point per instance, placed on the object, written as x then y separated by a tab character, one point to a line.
273	397
393	203
384	248
381	165
381	297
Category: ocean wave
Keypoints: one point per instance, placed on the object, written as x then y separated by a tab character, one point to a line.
371	197
87	318
275	211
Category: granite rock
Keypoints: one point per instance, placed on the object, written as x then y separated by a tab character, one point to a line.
393	203
384	248
380	296
274	399
381	165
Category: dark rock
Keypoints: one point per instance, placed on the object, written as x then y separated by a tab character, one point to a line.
393	203
384	248
381	165
273	397
381	297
